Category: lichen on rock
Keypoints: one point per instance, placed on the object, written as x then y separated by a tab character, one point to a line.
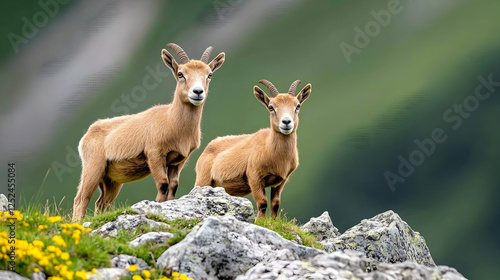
224	247
200	203
385	238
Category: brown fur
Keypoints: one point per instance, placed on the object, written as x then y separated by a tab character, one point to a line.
250	163
157	141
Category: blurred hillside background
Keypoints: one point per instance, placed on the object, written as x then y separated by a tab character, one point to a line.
66	63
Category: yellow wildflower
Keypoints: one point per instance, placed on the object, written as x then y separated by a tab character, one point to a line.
36	270
42	227
146	273
65	256
59	240
175	274
51	248
81	274
137	277
132	268
54	219
38	243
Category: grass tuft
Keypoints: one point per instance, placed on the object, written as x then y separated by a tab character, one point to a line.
110	215
289	229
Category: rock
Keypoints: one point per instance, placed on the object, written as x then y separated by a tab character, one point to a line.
10	275
109	274
224	247
386	238
126	222
154	237
322	227
38	276
87	225
4	203
347	265
124	261
200	203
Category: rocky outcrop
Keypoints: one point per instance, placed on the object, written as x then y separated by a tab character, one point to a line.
224	247
4	203
124	261
119	264
385	238
109	274
126	222
151	237
347	265
200	203
323	228
10	275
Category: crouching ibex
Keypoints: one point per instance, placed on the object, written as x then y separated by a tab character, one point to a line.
157	141
250	163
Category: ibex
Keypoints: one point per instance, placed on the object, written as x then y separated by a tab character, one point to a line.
249	163
157	141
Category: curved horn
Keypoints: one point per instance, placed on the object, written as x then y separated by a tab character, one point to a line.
181	54
206	55
272	89
293	87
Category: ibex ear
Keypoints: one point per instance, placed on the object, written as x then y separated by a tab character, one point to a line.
217	62
169	60
261	96
304	93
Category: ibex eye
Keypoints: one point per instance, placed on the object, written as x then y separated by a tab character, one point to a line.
210	76
298	106
180	75
271	108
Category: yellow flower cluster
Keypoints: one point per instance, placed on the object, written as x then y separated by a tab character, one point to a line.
17	215
48	255
49	250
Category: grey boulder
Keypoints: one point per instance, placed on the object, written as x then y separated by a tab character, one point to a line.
124	261
109	274
4	203
10	275
151	237
224	247
126	222
200	203
385	238
323	228
347	265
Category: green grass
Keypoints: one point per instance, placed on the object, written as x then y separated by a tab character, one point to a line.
289	229
108	216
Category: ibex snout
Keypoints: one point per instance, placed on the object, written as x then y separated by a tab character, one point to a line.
196	95
286	125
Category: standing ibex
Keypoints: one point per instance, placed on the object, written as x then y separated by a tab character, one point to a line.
129	148
250	163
